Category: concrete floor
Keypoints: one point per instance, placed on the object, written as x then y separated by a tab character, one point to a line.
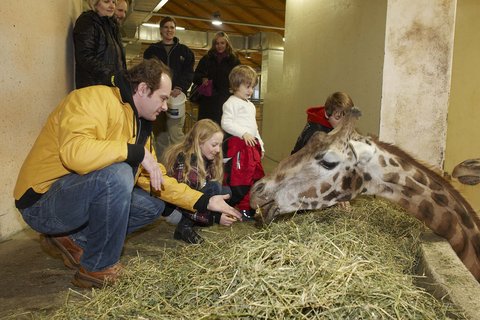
34	281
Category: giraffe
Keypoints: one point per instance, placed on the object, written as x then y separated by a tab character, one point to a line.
468	172
343	164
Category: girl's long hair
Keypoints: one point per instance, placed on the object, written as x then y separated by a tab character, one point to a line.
201	132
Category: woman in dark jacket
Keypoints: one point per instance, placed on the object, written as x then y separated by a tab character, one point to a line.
98	45
216	66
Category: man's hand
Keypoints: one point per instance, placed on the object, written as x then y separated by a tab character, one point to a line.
249	139
152	167
217	203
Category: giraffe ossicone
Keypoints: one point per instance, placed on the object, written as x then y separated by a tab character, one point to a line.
468	172
343	164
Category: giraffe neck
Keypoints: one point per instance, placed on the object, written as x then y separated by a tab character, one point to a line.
399	178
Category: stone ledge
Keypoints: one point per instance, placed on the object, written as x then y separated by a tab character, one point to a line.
446	277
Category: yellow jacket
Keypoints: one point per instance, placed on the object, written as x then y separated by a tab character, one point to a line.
88	131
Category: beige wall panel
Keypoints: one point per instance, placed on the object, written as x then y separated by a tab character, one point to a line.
36	63
463	134
417	73
330	46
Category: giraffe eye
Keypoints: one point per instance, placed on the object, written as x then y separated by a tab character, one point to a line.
328	165
329	160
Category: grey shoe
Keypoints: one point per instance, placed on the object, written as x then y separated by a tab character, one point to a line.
175	217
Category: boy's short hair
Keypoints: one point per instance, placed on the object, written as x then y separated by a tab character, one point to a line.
338	101
242	74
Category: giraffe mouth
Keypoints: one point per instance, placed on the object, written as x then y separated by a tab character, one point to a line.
266	213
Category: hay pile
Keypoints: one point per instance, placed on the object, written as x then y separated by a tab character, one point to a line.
332	264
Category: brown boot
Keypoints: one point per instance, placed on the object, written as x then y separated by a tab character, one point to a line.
97	279
68	249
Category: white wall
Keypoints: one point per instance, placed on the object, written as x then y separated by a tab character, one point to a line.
416	76
36	63
393	57
329	46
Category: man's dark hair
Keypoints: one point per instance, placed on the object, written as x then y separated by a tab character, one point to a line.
167	19
148	71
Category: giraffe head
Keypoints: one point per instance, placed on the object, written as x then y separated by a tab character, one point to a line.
320	175
468	172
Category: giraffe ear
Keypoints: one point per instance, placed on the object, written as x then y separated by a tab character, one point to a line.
363	152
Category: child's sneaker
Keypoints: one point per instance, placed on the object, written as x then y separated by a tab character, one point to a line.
248	215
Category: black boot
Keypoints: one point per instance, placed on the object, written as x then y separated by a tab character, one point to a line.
185	232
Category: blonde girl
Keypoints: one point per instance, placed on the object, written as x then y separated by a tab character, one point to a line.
198	162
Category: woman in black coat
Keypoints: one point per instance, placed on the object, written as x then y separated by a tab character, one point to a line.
216	66
98	45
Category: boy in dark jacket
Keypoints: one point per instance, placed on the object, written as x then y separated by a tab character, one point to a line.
324	118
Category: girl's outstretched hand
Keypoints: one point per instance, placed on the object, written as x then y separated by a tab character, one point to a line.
227	220
217	203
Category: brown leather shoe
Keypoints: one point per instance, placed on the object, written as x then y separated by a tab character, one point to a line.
97	279
69	250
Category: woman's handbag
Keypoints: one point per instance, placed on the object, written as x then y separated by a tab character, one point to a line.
197	91
206	88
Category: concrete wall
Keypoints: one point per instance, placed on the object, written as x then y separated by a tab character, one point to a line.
393	57
463	132
416	76
329	46
36	63
271	86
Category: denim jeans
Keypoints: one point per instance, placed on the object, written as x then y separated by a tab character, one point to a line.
213	188
206	218
96	210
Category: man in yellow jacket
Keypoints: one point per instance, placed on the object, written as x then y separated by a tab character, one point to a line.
92	176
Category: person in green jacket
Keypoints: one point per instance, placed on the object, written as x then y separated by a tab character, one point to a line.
92	176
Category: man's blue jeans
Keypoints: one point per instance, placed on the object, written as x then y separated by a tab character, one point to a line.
96	210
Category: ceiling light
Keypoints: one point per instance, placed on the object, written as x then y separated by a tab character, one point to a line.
151	25
160	5
216	19
155	25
